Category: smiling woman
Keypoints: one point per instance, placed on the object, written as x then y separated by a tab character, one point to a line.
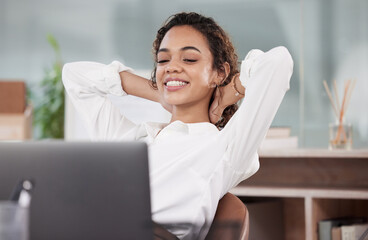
184	73
201	47
193	162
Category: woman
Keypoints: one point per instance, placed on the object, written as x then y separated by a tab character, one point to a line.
206	149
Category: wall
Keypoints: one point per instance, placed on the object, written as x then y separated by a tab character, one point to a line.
327	39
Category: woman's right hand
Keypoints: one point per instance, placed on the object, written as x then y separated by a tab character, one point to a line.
225	96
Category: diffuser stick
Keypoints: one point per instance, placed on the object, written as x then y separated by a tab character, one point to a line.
330	97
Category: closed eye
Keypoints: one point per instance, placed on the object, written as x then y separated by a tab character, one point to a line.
190	60
162	61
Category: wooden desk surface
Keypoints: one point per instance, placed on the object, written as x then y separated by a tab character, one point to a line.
314	153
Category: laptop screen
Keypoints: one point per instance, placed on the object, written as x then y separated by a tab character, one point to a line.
82	190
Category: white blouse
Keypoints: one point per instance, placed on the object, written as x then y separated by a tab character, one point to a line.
191	165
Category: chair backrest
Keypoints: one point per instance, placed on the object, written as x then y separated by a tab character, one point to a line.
230	212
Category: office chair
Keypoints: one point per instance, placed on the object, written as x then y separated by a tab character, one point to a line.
231	220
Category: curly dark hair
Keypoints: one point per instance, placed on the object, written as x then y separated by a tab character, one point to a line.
220	46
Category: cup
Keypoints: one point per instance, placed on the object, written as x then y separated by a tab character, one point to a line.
14	221
340	136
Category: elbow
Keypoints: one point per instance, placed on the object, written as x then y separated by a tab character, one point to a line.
283	59
66	72
285	64
70	74
286	59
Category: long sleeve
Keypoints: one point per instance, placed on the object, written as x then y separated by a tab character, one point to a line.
266	77
88	85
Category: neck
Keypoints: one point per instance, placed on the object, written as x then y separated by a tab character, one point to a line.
190	114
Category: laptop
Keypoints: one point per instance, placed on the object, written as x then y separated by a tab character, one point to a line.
81	190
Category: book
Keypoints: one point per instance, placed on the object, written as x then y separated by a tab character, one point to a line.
336	233
279	143
354	232
278	132
325	226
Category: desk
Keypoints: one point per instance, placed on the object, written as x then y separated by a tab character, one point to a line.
314	184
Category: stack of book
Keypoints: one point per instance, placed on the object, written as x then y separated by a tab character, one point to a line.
352	228
279	138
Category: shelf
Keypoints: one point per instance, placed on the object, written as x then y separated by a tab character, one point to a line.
300	192
314	153
304	207
313	184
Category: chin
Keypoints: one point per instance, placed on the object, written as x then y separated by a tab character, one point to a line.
175	101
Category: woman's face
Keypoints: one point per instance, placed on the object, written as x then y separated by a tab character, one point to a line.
184	72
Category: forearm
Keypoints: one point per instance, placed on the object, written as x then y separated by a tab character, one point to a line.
266	77
138	86
88	84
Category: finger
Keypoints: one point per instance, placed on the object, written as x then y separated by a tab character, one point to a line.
214	116
235	77
213	110
217	109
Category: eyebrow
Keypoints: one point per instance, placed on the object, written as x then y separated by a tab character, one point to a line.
181	49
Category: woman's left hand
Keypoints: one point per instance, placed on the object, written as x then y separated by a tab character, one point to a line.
225	96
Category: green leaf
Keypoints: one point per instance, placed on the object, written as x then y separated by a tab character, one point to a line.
49	112
54	44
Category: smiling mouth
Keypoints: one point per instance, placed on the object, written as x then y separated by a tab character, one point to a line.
175	83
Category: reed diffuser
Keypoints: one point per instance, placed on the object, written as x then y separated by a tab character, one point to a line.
340	131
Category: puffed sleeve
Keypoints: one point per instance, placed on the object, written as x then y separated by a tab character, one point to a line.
266	78
88	85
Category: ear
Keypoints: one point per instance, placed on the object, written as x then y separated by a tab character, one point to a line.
223	72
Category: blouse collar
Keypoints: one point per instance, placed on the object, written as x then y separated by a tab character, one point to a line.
153	129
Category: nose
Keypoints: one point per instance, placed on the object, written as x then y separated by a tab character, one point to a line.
173	66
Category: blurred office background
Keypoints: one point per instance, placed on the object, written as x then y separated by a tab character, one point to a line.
328	40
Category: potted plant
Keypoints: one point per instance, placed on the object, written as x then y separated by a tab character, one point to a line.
49	112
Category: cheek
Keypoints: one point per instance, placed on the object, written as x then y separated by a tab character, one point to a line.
159	75
207	75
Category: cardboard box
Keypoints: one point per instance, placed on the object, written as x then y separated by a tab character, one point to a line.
12	96
16	126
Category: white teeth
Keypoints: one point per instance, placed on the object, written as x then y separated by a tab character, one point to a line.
176	83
